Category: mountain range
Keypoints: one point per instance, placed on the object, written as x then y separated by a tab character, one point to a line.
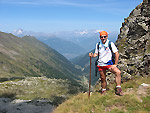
66	48
27	56
69	43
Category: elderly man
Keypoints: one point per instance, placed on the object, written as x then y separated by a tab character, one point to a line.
104	50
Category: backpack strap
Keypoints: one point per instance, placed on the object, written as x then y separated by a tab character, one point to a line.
110	46
98	49
113	54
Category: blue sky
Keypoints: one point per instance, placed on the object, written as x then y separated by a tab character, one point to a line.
64	15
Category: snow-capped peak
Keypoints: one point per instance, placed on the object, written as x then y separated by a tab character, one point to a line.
18	31
82	32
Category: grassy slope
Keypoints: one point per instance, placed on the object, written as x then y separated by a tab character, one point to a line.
32	88
21	57
135	100
23	64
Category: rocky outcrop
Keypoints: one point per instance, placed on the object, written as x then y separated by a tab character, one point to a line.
134	42
8	105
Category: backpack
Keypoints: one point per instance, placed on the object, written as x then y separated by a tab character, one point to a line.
113	57
113	54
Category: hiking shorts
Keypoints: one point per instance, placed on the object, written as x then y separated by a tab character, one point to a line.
101	68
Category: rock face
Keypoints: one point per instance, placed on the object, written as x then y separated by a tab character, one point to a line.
8	105
134	42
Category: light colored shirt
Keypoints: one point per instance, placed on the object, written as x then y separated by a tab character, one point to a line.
105	54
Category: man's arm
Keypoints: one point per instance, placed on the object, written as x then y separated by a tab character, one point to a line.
116	58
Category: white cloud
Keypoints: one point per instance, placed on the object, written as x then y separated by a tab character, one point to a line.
53	2
97	31
82	32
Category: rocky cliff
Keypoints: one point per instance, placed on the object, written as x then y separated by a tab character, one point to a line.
134	42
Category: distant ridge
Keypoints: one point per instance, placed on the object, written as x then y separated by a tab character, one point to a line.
66	48
27	56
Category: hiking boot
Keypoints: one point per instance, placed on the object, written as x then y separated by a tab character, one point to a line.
118	91
103	92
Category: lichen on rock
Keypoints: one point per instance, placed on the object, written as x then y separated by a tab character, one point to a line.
134	42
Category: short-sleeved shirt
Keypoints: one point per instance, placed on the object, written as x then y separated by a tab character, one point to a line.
105	54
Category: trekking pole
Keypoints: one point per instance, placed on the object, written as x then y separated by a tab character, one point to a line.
90	77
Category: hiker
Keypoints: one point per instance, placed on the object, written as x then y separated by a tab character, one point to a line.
105	62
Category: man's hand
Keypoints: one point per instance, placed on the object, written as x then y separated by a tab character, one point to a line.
91	54
113	66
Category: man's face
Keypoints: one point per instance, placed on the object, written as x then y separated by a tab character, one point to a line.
103	38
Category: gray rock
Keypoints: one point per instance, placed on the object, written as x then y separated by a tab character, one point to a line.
8	105
134	42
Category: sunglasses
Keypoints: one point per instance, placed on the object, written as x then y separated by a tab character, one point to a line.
103	36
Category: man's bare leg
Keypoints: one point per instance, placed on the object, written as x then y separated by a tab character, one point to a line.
103	80
117	73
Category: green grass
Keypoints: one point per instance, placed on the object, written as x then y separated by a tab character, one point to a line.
28	57
130	102
30	88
